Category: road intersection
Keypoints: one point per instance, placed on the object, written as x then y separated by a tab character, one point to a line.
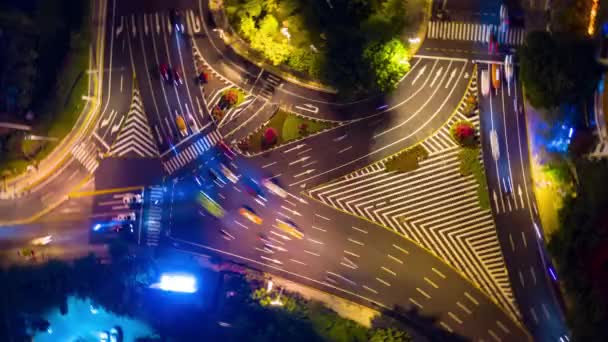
418	242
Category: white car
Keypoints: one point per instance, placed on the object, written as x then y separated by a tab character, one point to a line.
485	82
42	241
494	144
125	217
274	188
509	67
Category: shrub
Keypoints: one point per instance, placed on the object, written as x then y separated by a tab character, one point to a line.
407	160
217	112
464	133
270	136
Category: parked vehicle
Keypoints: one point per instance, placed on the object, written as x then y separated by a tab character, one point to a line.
485	83
181	125
509	67
496	76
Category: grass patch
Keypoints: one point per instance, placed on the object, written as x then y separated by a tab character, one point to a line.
470	164
407	160
288	127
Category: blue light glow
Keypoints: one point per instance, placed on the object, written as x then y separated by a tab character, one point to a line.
177	283
553	275
97	227
570	132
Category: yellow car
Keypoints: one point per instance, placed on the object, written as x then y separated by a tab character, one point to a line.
210	205
250	215
290	229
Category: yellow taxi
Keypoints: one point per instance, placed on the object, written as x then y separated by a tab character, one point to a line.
250	215
290	229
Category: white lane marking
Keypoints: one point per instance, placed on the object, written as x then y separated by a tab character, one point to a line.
395	259
401	249
416	303
323	217
446	327
305	151
345	149
454	317
494	336
312	253
304	173
383	281
240	224
341	277
512	243
523	239
521	278
370	289
423	293
438	273
284	237
315	241
308	164
533	274
271	260
359	229
464	308
533	312
275	240
317	228
473	300
503	327
297	262
354	267
431	282
388	270
546	311
351	253
267	165
356	242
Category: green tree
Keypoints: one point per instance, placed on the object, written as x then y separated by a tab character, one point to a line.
388	63
389	335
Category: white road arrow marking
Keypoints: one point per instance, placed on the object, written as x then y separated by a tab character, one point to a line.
452	75
304	173
437	74
117	126
420	73
105	122
521	196
120	27
495	198
299	160
309	108
297	147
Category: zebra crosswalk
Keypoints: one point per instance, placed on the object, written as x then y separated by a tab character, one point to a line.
86	153
190	153
513	36
153	215
135	137
156	23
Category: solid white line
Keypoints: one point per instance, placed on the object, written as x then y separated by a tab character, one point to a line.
359	229
401	249
356	242
267	165
383	281
431	282
323	217
341	277
345	149
370	289
317	228
297	262
312	253
351	253
396	259
388	270
423	293
438	273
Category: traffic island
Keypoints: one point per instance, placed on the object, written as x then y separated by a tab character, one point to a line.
283	127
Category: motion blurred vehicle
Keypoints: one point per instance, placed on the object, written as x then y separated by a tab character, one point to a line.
164	72
125	217
492	42
215	175
177	20
509	67
42	241
228	174
289	228
504	18
203	77
210	205
253	188
249	214
181	125
496	76
130	199
191	122
274	188
226	149
485	82
177	76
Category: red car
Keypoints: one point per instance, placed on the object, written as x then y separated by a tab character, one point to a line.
164	72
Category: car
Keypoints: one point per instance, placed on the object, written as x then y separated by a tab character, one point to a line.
210	205
191	122
226	149
165	72
177	77
274	188
130	199
492	42
289	228
228	173
181	125
509	67
504	18
485	82
130	216
177	20
496	76
216	175
249	214
203	77
42	241
253	188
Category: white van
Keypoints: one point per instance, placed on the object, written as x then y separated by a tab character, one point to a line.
485	82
